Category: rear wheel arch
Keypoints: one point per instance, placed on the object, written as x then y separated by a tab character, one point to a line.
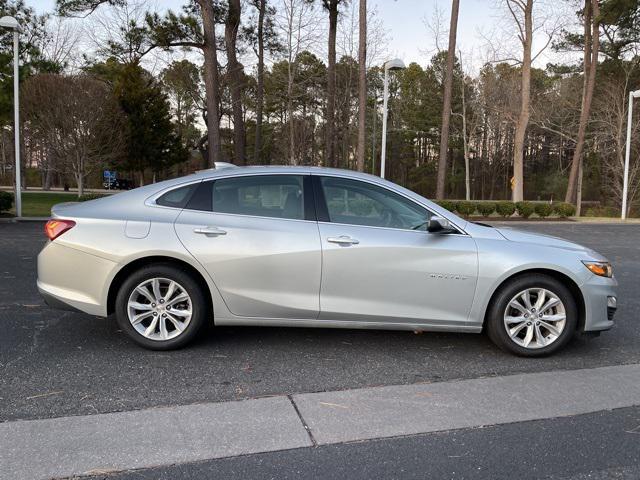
561	277
139	263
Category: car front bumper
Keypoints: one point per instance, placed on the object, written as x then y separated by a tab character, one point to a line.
600	299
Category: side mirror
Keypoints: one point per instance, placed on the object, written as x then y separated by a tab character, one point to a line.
438	224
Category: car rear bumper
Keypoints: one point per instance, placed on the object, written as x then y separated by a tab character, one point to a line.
55	302
72	279
600	307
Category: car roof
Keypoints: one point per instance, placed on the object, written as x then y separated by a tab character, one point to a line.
229	170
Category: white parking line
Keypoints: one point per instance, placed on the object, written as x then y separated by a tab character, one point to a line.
161	436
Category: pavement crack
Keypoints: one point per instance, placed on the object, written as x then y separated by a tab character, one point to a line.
302	420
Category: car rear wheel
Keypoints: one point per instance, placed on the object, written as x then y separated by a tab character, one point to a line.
161	307
534	315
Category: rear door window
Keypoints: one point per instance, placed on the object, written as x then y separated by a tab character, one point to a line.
276	196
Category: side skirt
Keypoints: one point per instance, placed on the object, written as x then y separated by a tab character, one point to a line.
306	323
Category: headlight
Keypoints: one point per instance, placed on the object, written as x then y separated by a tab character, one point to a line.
602	269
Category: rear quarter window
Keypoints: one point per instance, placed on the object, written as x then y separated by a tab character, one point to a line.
178	197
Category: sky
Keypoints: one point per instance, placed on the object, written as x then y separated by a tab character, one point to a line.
406	22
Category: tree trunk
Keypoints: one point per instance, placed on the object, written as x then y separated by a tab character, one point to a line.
362	84
467	177
579	190
211	82
80	183
591	48
523	119
257	154
484	154
446	104
292	144
332	7
234	70
48	173
289	112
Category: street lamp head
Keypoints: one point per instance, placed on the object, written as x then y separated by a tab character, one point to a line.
635	94
9	22
395	64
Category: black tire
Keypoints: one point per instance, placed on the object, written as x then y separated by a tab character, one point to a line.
495	314
199	305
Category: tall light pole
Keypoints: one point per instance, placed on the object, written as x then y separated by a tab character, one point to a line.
12	23
395	64
625	182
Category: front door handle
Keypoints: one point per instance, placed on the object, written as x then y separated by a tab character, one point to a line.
210	231
343	240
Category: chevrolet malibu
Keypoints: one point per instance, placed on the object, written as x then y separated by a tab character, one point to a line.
314	247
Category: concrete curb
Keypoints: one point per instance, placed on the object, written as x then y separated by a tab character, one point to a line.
363	414
69	446
92	444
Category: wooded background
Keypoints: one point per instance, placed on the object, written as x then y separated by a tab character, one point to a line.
109	84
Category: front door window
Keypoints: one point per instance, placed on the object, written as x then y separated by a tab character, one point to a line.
354	202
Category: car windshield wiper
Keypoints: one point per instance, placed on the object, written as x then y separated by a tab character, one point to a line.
483	224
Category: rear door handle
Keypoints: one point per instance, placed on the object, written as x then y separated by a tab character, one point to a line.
343	240
210	231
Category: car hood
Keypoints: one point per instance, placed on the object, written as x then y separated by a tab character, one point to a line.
538	239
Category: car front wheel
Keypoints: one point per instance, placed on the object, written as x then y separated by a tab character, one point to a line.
161	307
534	315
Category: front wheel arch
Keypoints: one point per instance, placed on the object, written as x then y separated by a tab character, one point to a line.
139	263
561	277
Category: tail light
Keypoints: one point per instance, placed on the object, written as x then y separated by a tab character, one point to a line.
54	228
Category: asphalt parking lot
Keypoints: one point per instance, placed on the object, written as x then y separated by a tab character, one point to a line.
57	363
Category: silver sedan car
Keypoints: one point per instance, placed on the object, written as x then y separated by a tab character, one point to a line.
314	247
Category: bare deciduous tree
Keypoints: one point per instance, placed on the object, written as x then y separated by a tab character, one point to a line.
591	18
298	24
119	32
61	42
362	83
446	104
522	13
261	5
610	135
466	133
332	7
236	75
211	81
548	21
78	119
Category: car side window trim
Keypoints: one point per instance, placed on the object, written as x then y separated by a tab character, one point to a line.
308	195
323	211
201	199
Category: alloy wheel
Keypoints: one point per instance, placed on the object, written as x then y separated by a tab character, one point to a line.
535	318
159	309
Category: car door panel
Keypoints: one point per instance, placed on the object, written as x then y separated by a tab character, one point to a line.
263	267
387	274
396	276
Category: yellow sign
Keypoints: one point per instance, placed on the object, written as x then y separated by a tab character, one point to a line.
513	183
